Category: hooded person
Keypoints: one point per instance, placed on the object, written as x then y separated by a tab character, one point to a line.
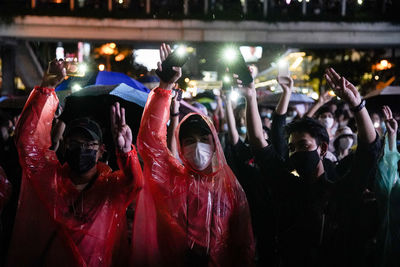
71	214
201	216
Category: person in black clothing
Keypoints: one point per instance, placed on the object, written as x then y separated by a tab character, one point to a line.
241	160
318	215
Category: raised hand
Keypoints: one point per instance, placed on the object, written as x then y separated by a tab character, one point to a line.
121	132
324	98
286	82
343	88
247	90
390	122
165	50
175	103
55	74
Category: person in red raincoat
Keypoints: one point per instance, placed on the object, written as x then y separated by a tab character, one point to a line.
71	214
200	215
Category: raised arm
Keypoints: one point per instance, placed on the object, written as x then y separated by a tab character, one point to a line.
33	129
279	117
173	124
127	157
324	98
253	119
388	164
348	92
232	130
287	85
152	141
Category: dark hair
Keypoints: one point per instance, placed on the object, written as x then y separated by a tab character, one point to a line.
194	123
310	126
322	110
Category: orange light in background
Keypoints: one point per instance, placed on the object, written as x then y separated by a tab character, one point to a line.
102	67
120	57
58	1
108	49
382	65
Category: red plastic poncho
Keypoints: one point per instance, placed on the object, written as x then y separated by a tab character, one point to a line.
57	225
5	189
198	217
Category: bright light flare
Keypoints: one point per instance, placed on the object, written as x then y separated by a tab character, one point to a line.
331	93
384	63
76	87
119	57
296	63
181	50
314	95
82	68
234	96
102	67
360	2
376	124
282	63
227	79
230	54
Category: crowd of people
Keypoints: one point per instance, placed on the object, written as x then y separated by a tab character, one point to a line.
238	185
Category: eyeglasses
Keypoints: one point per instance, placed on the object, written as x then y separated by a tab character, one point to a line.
76	144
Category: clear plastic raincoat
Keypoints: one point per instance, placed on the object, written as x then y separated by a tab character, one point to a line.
196	219
57	225
388	197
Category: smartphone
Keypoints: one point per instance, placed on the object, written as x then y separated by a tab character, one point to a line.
74	69
239	67
177	58
227	82
179	93
283	69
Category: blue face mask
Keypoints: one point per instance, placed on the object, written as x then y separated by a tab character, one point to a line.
243	130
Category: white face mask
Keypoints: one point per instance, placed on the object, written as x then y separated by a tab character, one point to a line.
327	122
345	143
198	154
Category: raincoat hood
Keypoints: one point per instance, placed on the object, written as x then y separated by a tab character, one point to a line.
218	158
191	216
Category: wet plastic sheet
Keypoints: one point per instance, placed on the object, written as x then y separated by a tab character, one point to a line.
388	196
191	216
56	225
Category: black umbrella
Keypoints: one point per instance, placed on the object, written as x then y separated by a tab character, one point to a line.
95	102
389	96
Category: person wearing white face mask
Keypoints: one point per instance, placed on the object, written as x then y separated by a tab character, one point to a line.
194	211
344	140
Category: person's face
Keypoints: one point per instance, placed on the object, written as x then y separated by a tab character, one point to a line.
4	133
241	118
326	115
198	150
198	138
299	142
77	140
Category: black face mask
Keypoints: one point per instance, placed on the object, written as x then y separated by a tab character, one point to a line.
305	162
81	160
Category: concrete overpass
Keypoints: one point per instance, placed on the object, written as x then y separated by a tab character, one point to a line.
133	30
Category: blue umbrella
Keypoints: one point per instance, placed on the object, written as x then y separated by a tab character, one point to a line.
102	78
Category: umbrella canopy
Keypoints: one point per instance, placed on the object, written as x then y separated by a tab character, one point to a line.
295	98
389	90
12	102
106	78
389	96
95	101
